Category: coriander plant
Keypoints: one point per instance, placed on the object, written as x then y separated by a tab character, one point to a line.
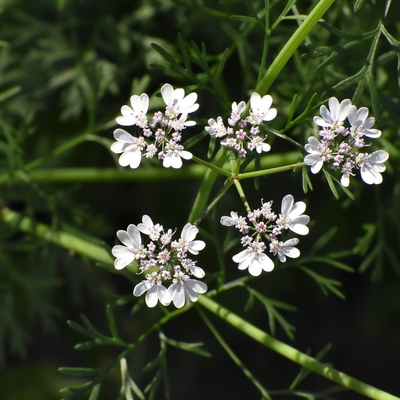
277	118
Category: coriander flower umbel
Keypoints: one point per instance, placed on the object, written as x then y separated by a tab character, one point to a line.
244	134
340	145
160	135
264	227
163	261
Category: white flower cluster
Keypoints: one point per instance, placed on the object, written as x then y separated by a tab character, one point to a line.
164	260
242	134
265	227
340	145
160	135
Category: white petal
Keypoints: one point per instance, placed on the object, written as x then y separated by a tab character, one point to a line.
378	156
196	286
298	208
152	297
119	147
343	109
227	221
123	136
189	232
162	295
167	93
196	246
255	101
266	102
287	204
315	168
140	103
131	158
370	175
292	252
187	155
242	256
345	180
197	271
146	224
188	104
141	287
270	114
266	263
134	236
178	294
300	229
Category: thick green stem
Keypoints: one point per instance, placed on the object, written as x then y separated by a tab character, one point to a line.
67	240
270	171
292	44
93	175
293	354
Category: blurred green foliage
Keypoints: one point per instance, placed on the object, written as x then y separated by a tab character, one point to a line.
66	67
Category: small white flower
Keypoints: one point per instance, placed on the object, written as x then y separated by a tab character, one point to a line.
254	259
291	214
334	117
216	128
238	108
174	154
182	287
198	272
181	123
131	148
187	242
260	109
148	228
155	290
176	101
131	116
360	124
258	143
372	166
284	250
347	171
132	249
318	154
239	222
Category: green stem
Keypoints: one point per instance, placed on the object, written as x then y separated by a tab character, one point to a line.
233	356
206	186
293	354
63	239
292	44
96	175
228	184
211	166
242	195
270	171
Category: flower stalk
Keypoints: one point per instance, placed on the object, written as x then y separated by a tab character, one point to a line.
293	354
